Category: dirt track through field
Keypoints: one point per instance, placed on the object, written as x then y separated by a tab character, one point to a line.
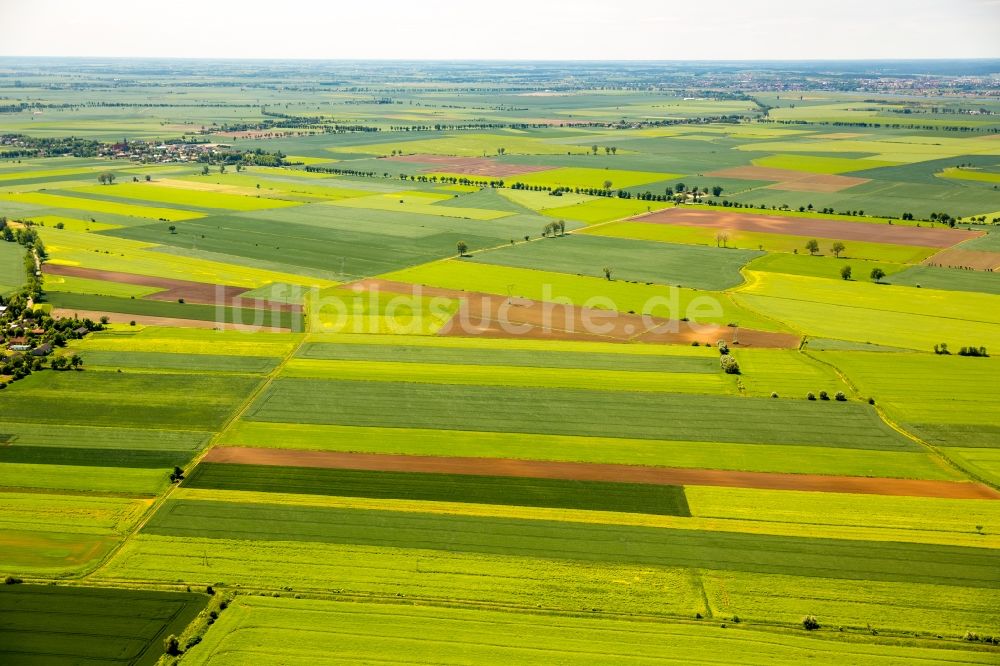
472	166
541	469
812	227
495	316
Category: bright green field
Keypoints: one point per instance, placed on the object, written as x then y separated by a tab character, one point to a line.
814	164
603	209
97	206
11	267
867	312
316	631
930	394
184	197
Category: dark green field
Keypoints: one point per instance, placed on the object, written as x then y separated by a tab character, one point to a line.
511	357
503	490
76	625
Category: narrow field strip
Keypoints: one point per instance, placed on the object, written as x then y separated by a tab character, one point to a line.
600	472
499	490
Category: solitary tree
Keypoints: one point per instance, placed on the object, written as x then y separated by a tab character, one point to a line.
172	228
813	246
222	168
75	361
614	150
845	272
171	645
607	184
204	170
877	274
561	224
716	190
106	178
593	148
721	238
462	248
501	151
608	272
837	248
148	178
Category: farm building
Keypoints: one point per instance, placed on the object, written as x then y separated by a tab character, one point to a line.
42	350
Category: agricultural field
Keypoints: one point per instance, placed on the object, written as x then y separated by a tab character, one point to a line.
64	625
318	363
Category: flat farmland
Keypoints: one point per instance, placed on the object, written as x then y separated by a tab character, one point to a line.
465	352
196	198
586	291
769	242
569	448
595	413
929	393
751	553
505	490
130	399
823	228
72	203
311	631
498	375
65	625
661	263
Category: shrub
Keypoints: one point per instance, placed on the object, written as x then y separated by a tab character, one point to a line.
171	645
810	623
871	401
729	365
132	323
810	396
840	397
12	580
723	347
774	394
191	642
209	589
823	395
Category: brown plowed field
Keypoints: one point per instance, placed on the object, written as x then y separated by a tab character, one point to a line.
494	316
473	166
976	260
541	469
192	292
812	227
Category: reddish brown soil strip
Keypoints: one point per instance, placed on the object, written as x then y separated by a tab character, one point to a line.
975	260
817	228
494	316
192	292
794	181
473	166
149	320
542	469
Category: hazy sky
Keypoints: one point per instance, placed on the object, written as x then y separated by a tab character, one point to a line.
509	30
